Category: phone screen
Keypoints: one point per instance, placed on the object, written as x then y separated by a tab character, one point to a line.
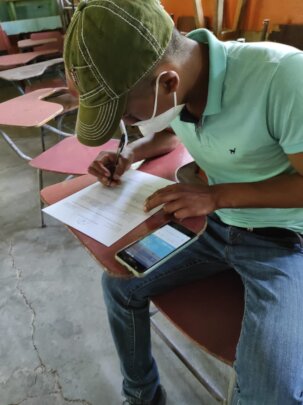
148	251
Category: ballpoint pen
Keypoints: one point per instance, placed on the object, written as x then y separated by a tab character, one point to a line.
122	144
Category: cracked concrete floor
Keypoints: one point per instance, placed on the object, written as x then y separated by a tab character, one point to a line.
55	345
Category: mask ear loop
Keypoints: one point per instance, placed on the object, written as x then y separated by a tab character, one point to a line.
175	99
156	94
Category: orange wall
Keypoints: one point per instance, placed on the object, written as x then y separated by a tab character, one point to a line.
278	11
186	8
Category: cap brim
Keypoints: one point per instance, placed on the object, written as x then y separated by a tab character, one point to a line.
96	125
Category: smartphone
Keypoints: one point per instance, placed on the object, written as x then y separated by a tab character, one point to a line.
146	254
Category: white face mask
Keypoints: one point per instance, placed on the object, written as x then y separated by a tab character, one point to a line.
161	121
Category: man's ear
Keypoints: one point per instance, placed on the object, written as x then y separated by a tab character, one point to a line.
169	81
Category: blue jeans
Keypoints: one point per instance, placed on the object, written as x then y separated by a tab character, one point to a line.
269	358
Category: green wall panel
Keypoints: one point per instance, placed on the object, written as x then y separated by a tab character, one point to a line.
31	25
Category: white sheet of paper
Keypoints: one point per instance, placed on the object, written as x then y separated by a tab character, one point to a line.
106	214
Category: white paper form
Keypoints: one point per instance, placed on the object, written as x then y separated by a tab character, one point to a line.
106	214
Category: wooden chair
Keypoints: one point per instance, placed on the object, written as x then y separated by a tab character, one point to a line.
186	24
209	312
235	31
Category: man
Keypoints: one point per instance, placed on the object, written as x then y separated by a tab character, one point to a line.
238	109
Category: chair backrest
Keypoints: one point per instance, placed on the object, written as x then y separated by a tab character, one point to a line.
289	34
5	43
199	14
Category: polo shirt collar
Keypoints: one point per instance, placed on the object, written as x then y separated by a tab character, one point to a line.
217	69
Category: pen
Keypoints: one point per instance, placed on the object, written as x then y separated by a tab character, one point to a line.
122	144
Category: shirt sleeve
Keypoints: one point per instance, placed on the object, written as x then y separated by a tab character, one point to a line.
285	104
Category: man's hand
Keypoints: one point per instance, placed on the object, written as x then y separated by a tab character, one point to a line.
184	200
104	164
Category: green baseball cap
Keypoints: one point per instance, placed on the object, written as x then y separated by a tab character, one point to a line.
110	46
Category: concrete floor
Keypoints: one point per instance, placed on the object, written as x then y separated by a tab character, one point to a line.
55	345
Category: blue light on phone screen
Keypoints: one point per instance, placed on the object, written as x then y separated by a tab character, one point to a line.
157	245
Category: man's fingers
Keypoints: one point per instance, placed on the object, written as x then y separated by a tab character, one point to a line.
103	167
104	179
183	213
93	171
100	170
157	199
115	183
161	196
172	188
171	207
96	168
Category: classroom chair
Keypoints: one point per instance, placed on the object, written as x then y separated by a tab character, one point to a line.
32	110
36	109
209	312
234	32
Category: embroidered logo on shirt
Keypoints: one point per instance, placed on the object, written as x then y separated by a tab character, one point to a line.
232	151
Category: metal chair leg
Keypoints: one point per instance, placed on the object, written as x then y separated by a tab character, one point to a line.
207	384
14	147
40	181
42	134
57	131
59	125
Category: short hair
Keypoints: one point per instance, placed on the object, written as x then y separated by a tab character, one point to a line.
175	47
174	50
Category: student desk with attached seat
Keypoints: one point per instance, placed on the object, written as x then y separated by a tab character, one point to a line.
209	311
32	111
24	73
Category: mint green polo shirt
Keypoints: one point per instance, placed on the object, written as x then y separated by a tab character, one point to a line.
252	120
